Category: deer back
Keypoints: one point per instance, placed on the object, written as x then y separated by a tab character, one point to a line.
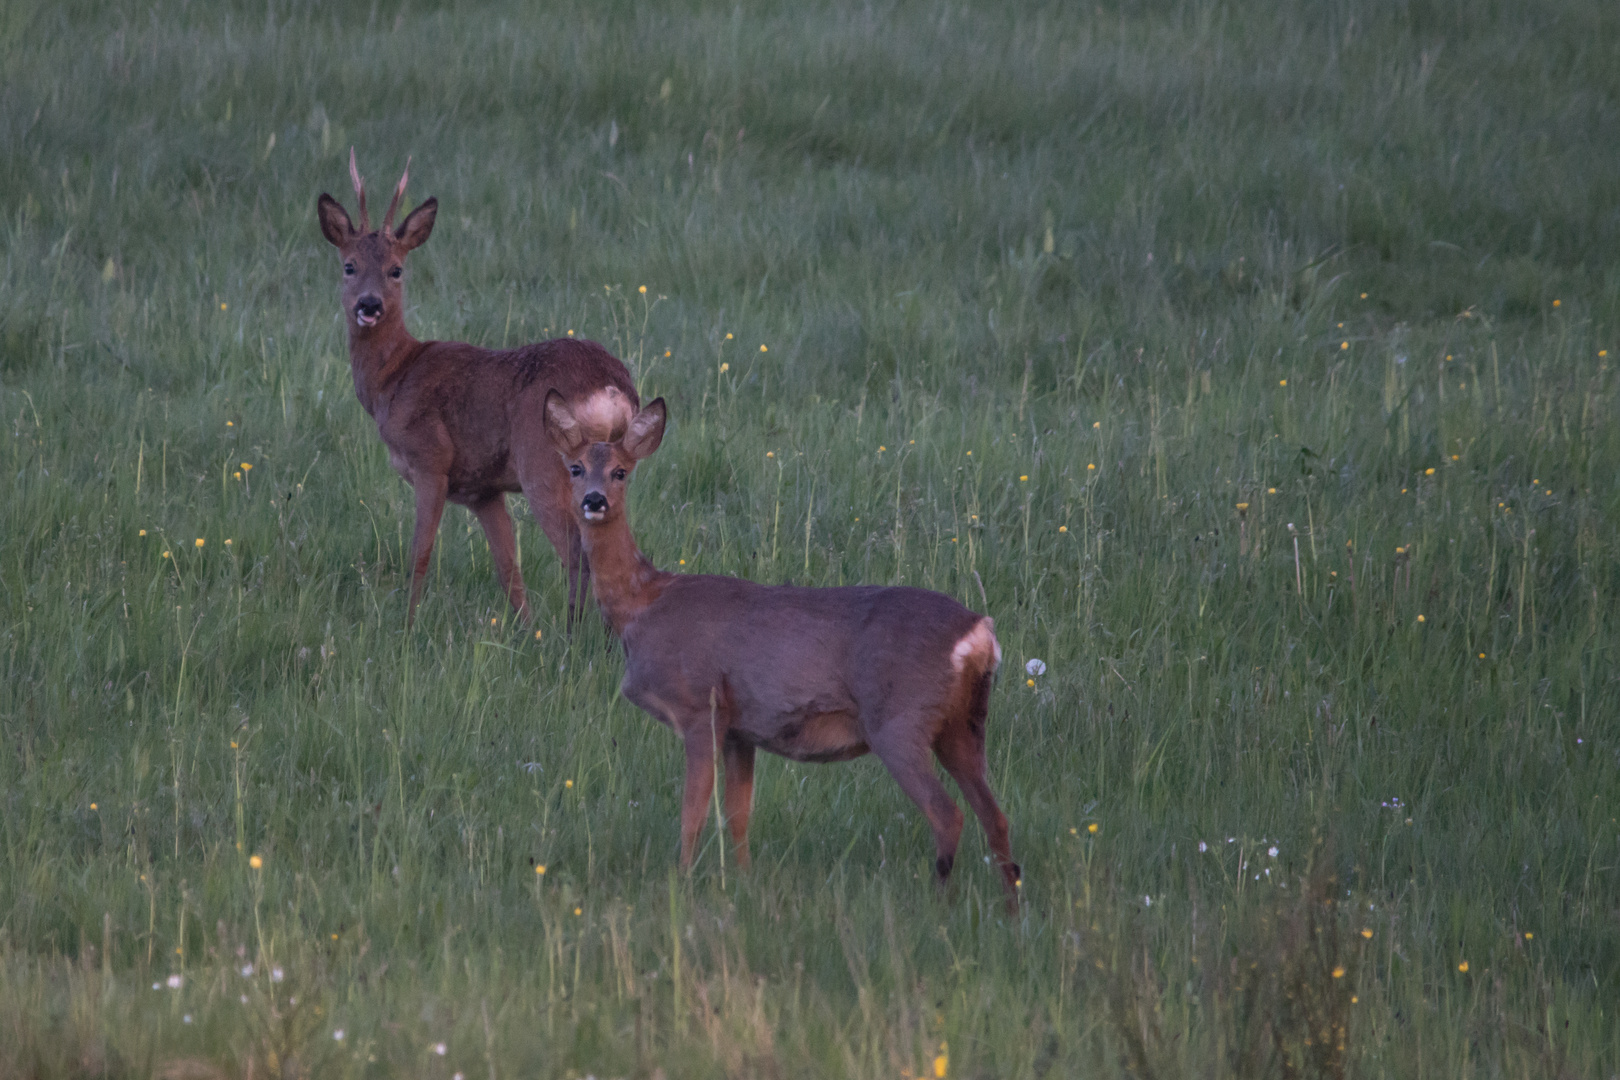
800	671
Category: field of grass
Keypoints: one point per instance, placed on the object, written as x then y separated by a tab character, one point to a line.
1253	364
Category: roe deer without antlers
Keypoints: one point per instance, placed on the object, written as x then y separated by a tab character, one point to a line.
460	422
811	674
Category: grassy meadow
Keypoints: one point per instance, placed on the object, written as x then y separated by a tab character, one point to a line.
1253	364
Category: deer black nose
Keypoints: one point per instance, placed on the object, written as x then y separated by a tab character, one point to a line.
594	503
369	307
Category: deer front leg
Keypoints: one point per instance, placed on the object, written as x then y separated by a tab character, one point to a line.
739	795
700	741
430	493
497	525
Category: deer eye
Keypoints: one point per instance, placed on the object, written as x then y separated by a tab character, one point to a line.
348	269
395	272
576	470
619	474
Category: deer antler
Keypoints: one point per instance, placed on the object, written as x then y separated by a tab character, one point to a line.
399	193
360	191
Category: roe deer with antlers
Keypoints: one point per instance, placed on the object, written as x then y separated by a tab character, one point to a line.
811	674
463	423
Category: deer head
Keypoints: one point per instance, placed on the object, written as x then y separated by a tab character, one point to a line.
600	470
374	260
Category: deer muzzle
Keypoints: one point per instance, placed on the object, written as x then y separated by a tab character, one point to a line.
368	311
594	506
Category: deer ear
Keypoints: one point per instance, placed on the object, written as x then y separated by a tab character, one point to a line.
418	225
561	427
646	430
335	223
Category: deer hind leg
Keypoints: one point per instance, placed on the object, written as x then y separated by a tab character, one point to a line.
557	522
497	525
906	758
579	575
545	484
430	494
961	750
739	757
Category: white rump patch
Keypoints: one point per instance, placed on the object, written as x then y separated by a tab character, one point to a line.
604	416
977	642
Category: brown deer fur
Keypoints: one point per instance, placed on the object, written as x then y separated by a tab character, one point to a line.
810	674
462	423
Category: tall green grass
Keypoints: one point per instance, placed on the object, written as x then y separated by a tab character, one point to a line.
1252	364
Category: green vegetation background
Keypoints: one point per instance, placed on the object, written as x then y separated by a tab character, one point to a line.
1350	265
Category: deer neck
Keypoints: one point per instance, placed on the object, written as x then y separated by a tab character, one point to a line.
625	581
377	356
